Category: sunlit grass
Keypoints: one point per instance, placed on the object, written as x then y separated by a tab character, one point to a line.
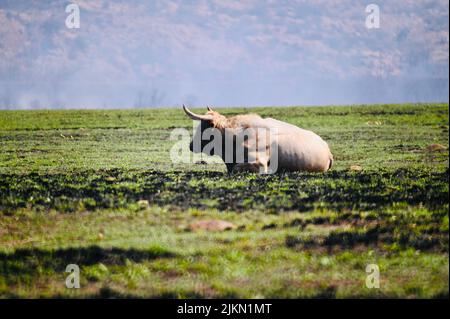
97	188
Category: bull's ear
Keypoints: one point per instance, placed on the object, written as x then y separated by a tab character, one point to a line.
192	115
209	109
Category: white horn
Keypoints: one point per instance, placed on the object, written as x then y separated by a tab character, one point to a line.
197	117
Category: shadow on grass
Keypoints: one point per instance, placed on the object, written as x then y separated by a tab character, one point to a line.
378	236
325	293
23	264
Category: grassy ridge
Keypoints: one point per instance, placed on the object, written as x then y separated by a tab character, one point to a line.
97	188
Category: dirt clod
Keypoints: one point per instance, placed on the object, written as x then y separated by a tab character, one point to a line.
211	225
436	148
356	168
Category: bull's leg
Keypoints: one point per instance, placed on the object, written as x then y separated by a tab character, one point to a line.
264	168
262	163
244	167
230	167
261	168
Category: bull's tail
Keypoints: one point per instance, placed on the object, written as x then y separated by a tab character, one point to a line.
331	163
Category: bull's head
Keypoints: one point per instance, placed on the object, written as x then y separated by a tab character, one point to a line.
241	146
211	121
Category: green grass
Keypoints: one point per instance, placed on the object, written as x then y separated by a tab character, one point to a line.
72	186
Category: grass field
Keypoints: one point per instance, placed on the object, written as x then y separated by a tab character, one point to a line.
97	189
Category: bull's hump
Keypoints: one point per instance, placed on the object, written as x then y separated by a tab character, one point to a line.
255	121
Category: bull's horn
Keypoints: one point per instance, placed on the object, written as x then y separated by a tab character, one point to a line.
207	117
